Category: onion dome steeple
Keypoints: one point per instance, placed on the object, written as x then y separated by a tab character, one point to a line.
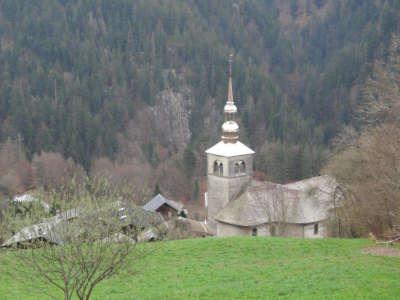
230	128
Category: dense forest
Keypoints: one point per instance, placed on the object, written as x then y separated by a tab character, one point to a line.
135	88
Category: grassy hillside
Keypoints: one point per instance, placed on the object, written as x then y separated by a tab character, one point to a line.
240	268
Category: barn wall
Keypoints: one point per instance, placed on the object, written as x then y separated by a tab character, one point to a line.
167	212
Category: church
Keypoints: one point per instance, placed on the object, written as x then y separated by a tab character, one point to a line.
237	204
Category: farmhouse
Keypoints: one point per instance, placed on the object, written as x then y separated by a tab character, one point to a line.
29	199
44	231
52	230
239	205
166	207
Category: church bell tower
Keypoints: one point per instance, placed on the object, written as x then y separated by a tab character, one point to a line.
229	162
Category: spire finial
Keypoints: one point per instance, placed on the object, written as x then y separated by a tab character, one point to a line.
230	60
230	89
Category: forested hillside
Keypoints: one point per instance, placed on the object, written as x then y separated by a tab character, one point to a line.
135	88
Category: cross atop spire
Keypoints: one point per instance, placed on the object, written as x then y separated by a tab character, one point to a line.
230	60
230	89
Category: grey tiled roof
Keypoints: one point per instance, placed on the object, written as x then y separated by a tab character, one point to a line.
50	228
45	230
301	202
160	200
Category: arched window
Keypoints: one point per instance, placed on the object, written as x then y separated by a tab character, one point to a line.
221	169
236	168
242	167
215	167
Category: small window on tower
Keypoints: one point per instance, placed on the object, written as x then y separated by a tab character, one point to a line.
215	167
242	167
221	169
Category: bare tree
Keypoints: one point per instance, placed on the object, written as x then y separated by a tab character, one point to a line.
128	175
381	93
15	171
48	169
368	165
4	221
370	174
274	206
52	170
87	243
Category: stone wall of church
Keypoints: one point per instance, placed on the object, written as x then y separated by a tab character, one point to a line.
293	230
220	191
224	229
309	230
263	230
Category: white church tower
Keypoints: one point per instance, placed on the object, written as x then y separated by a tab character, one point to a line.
229	162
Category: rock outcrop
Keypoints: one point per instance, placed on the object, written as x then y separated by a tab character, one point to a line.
172	115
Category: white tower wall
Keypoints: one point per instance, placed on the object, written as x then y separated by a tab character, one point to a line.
223	189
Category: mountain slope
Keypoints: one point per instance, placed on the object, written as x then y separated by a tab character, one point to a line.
103	78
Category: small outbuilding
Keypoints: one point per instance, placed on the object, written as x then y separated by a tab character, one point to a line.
166	207
44	231
29	199
52	230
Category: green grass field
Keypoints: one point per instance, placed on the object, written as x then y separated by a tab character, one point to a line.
237	268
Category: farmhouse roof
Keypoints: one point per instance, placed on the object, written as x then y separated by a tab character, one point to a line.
24	198
138	216
44	230
28	198
302	202
47	230
159	201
